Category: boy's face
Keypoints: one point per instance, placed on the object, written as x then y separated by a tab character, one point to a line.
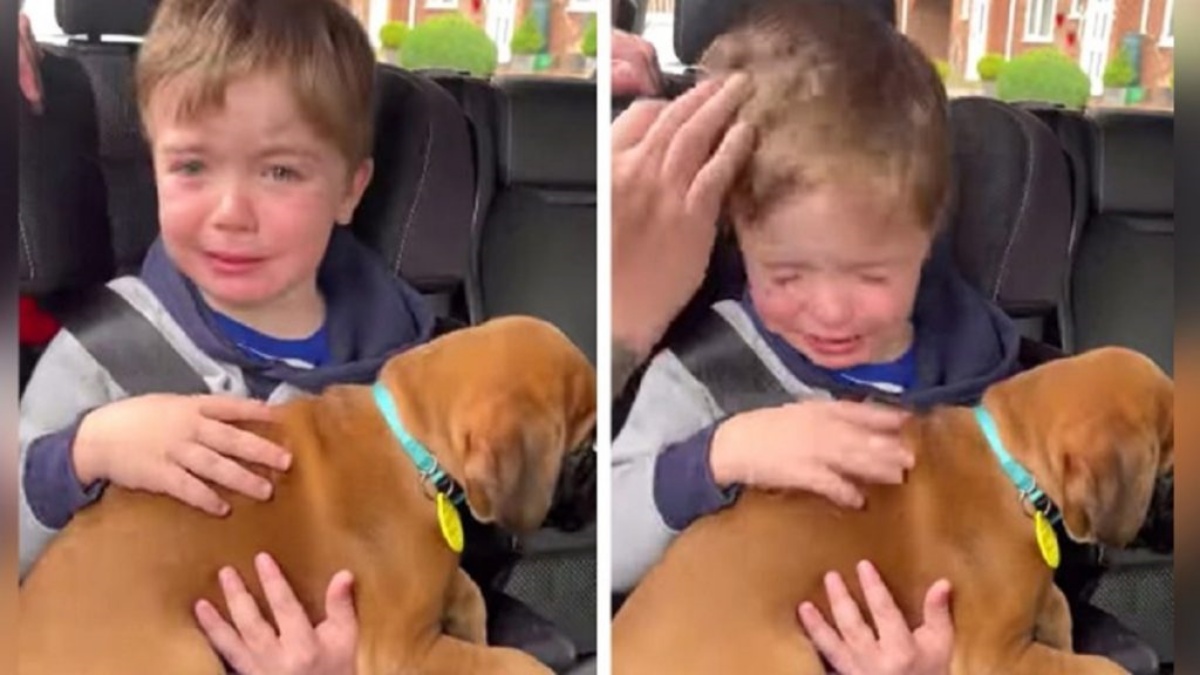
835	273
249	194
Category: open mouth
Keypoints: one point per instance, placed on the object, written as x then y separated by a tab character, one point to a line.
833	346
232	264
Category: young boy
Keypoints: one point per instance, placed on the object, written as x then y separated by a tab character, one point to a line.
848	295
259	119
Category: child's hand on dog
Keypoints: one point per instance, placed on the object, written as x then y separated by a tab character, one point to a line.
824	447
255	647
892	648
172	444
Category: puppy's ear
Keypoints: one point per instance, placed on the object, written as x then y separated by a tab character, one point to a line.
509	475
1107	490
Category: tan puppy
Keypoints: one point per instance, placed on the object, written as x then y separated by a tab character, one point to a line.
498	405
1094	430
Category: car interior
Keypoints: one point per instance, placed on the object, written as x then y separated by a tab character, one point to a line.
466	203
1065	219
484	198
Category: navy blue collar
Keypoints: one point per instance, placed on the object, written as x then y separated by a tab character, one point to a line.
424	460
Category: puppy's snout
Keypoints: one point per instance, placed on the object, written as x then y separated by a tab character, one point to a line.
574	502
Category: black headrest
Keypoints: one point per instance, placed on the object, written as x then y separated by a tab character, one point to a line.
629	15
97	17
699	22
417	209
548	132
1134	171
1011	203
64	232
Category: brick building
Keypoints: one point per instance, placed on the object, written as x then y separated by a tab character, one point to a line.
562	21
1091	31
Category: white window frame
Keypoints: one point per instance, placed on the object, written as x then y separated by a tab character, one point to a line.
441	4
583	6
1168	27
964	10
1048	36
1076	11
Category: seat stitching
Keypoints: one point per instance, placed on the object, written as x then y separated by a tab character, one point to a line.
426	146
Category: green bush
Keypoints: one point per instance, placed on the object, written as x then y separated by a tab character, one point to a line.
589	38
392	34
450	41
1044	75
943	69
527	38
1119	74
989	67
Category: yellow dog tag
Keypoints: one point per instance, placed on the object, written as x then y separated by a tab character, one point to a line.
451	526
1047	540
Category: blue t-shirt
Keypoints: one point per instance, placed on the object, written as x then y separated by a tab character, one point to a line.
309	352
892	377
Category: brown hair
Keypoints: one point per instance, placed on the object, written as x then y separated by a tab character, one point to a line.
837	92
203	45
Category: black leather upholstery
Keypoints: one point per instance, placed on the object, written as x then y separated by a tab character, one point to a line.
1123	283
537	251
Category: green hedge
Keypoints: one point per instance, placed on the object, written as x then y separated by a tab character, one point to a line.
527	38
989	67
588	48
392	34
1044	75
1119	74
450	41
943	69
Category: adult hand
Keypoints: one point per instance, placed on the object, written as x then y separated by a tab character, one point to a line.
672	164
28	64
635	70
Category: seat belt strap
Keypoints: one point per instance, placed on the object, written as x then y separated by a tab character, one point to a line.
129	347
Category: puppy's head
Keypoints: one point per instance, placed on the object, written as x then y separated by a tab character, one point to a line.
1105	423
525	398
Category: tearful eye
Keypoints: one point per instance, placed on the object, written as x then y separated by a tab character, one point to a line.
283	173
190	167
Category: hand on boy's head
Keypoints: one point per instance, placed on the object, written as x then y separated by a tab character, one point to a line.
825	447
672	164
635	70
172	444
29	76
854	649
254	647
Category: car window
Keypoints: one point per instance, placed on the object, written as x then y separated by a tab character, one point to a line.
496	37
487	38
1090	54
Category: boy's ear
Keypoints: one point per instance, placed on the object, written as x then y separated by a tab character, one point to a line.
358	185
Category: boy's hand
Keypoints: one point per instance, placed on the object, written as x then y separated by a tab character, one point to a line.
298	648
171	444
853	648
672	164
824	447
